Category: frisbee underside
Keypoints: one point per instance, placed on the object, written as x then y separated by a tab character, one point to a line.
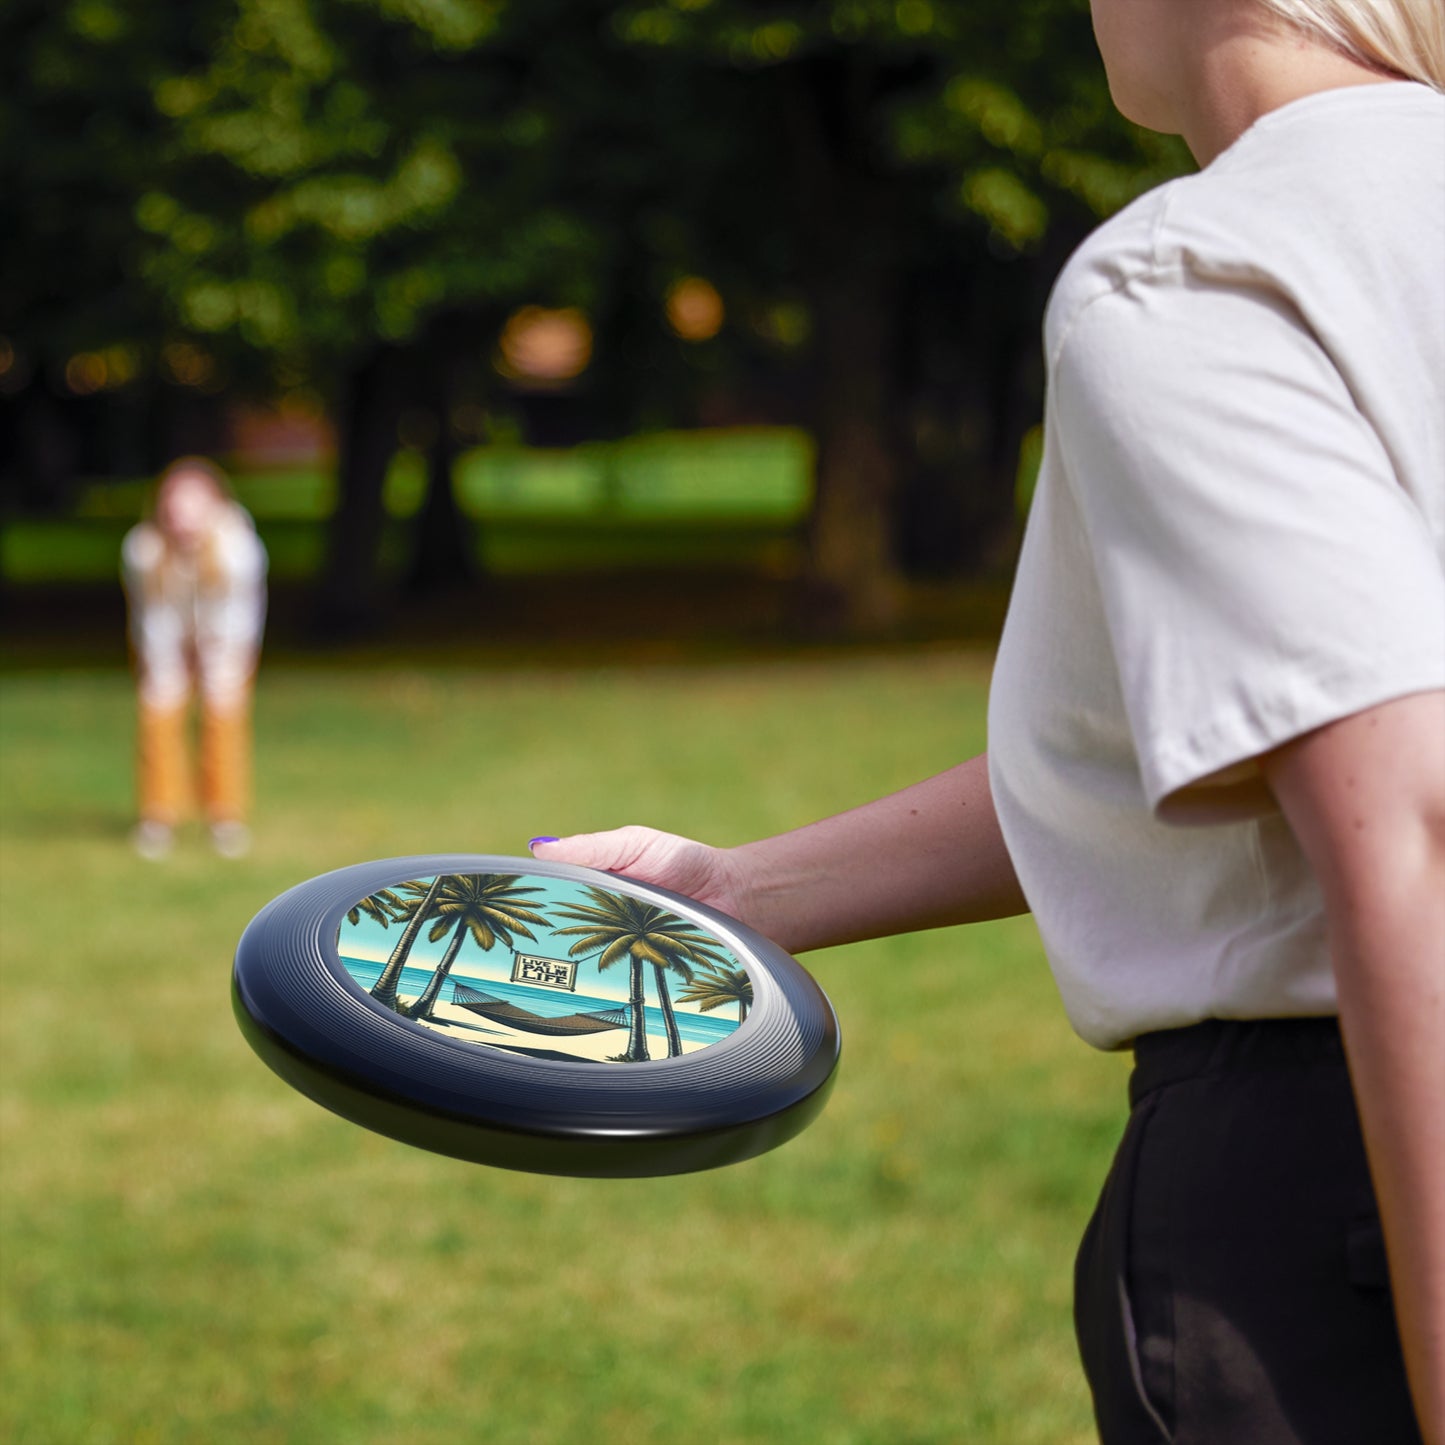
512	1069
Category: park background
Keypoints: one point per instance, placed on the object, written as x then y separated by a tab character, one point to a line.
639	403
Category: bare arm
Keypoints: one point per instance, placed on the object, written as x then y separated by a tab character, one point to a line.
926	857
1366	799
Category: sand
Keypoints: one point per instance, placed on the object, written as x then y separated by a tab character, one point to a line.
459	1023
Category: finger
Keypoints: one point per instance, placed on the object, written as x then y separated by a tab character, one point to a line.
612	851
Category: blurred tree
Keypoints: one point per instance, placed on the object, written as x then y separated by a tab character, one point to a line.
917	171
373	186
79	139
349	197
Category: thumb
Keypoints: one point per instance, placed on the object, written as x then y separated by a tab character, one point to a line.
613	851
680	864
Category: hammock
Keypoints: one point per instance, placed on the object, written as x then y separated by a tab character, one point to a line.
474	1001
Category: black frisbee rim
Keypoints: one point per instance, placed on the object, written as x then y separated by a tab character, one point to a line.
739	1097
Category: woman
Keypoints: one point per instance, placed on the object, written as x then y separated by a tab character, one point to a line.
1217	759
195	582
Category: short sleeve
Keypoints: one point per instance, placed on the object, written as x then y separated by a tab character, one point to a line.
1263	571
239	551
140	554
230	620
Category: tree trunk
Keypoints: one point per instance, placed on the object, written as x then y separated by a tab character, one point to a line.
847	219
669	1019
47	450
442	557
851	554
973	388
637	1004
423	1007
384	989
349	598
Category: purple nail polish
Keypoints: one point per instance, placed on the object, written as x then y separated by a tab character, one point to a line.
532	843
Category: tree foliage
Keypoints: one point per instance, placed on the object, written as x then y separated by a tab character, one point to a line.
352	195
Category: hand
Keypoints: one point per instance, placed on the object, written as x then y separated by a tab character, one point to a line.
928	857
696	870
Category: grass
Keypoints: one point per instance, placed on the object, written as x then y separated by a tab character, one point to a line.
192	1252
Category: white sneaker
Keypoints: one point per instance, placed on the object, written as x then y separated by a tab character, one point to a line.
152	840
231	839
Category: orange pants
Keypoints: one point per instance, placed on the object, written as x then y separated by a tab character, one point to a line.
163	762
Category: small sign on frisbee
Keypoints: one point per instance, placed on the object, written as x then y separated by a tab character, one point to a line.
535	1016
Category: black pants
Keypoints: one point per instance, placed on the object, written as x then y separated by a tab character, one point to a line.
1231	1287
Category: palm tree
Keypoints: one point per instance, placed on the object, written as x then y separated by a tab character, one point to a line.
416	911
718	987
384	908
615	926
488	906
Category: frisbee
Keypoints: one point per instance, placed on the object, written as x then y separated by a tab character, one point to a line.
535	1016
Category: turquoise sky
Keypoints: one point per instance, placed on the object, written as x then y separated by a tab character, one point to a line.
367	939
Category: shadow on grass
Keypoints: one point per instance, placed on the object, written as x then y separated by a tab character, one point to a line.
565	621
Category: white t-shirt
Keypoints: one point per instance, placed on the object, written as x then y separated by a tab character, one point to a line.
1238	536
193	621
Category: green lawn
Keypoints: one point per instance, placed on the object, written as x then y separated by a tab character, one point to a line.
192	1252
737	496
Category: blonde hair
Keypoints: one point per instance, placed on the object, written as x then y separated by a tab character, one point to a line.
210	572
1404	37
204	466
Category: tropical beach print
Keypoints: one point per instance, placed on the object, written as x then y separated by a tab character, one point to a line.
544	967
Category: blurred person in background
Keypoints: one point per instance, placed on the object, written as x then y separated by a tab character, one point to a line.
195	583
1216	767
